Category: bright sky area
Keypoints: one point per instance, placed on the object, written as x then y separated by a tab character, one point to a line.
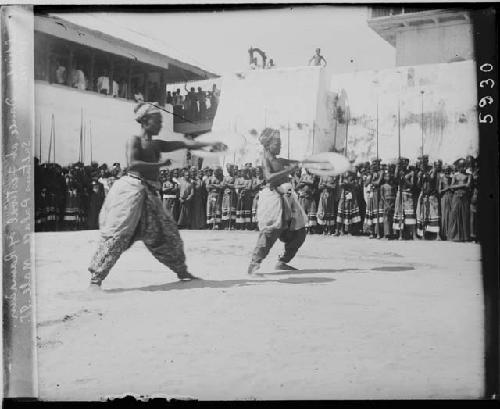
219	41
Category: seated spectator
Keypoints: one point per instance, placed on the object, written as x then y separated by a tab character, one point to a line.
78	79
60	73
103	85
116	89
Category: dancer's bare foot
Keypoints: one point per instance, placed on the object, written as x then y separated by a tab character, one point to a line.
186	276
95	287
253	268
284	266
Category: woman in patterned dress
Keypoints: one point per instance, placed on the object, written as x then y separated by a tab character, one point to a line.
229	200
460	205
214	199
372	201
306	199
446	195
258	183
170	193
198	210
404	211
387	202
473	205
348	216
185	196
326	205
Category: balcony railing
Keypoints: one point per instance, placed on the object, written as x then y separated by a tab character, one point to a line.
193	122
377	12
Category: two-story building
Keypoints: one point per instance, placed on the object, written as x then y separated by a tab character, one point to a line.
424	36
87	76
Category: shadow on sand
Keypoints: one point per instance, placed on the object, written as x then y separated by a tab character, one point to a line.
189	285
260	278
335	271
393	268
311	271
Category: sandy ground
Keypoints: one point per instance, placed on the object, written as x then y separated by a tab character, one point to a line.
361	319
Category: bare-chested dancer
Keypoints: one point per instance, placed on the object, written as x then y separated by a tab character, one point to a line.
133	210
279	212
317	59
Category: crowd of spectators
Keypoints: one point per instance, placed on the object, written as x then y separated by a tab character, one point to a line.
195	105
191	104
70	197
118	87
398	200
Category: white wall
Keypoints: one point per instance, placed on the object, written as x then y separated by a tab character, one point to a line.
432	45
293	100
111	121
449	111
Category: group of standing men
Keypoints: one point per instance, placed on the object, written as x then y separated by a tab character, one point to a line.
70	197
196	105
206	198
380	200
394	200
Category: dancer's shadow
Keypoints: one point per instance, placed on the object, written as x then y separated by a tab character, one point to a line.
194	284
312	271
335	271
393	268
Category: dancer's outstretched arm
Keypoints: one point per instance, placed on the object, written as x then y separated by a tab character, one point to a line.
170	146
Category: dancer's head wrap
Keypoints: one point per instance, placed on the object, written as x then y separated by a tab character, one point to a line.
144	109
267	136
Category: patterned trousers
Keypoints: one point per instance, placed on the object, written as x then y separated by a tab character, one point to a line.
132	211
293	239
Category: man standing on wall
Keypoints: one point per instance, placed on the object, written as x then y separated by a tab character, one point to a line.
317	59
133	210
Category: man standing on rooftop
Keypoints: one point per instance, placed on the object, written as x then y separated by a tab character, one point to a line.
317	59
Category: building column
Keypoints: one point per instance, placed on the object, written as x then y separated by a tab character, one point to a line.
146	90
48	56
69	70
92	85
111	75
163	88
129	80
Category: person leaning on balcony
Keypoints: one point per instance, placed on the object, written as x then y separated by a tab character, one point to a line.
190	106
116	89
202	103
78	79
178	98
103	85
60	73
170	98
122	88
214	99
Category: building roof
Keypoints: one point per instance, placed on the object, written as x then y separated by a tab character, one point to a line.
94	32
386	21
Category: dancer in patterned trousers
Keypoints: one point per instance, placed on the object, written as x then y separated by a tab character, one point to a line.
133	210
